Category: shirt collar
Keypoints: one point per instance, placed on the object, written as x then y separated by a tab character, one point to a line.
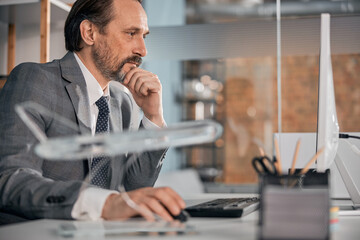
93	87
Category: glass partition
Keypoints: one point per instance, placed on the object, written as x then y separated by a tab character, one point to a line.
227	53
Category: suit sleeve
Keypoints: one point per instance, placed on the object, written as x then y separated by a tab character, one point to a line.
24	190
141	169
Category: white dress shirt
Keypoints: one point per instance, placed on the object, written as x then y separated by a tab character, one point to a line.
91	201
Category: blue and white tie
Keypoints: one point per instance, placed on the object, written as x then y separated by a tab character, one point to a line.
100	165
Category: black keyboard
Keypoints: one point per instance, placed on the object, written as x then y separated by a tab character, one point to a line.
225	207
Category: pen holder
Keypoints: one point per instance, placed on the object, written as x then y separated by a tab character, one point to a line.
294	206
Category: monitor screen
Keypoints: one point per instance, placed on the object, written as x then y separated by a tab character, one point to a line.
327	124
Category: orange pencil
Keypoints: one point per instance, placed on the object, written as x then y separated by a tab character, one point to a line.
306	168
278	159
292	170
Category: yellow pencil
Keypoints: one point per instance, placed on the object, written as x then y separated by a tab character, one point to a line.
262	152
292	170
306	168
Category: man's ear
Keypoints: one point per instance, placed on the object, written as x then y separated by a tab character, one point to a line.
88	32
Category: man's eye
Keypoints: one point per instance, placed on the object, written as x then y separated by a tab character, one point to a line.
131	34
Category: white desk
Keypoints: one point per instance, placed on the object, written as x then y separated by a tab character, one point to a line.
206	228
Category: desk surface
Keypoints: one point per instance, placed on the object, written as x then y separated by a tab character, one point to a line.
206	228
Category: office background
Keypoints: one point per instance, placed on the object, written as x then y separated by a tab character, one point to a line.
217	59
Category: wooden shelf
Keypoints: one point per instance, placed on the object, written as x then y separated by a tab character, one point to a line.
27	12
2	82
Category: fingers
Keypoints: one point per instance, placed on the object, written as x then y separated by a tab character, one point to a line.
163	202
145	212
142	82
145	88
170	201
173	199
158	208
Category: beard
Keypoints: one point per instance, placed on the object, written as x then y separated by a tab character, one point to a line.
109	65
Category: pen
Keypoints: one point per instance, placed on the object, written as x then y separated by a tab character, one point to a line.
278	162
292	170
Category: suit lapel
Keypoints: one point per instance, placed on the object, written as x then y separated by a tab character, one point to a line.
81	105
76	88
115	115
115	126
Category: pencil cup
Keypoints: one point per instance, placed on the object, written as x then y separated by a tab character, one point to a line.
294	207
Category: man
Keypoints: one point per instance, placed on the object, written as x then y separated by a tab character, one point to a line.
105	40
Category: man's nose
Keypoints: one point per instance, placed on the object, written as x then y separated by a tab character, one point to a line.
140	48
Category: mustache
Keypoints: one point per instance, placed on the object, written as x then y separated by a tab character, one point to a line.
133	59
118	76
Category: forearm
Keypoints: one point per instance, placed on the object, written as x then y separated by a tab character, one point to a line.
26	193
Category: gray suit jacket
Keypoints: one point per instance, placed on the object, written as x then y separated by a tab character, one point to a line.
32	187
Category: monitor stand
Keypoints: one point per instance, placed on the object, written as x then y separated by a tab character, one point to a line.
349	184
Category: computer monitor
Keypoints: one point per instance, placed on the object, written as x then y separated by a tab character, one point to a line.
327	124
327	136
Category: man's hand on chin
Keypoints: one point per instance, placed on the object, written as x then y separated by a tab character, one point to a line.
147	92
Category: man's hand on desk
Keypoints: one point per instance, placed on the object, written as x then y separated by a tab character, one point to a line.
156	200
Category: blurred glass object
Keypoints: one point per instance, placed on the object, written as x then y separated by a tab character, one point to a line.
79	147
